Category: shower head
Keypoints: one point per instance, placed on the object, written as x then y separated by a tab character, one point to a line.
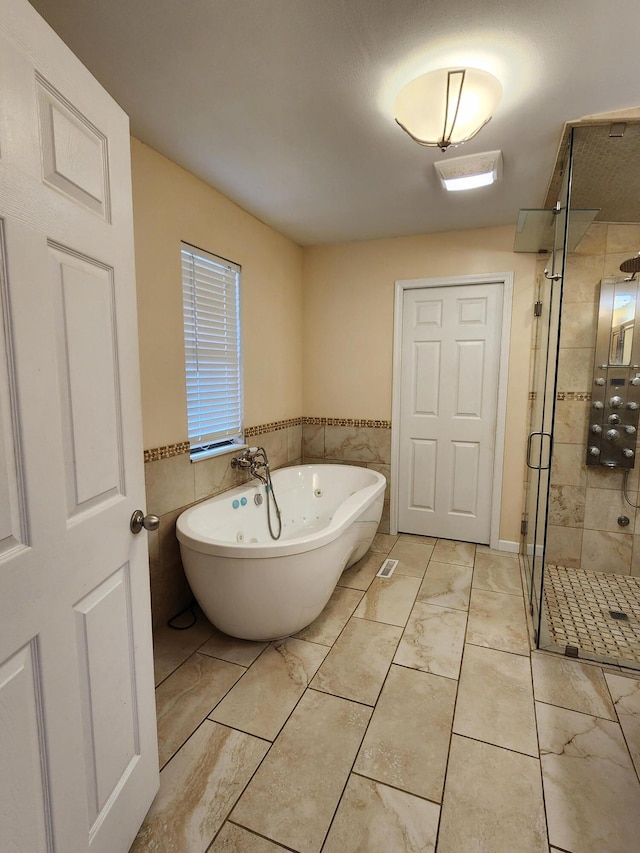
631	264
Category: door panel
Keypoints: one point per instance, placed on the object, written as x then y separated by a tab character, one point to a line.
448	409
78	744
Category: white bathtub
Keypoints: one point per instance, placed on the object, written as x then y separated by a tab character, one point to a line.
257	588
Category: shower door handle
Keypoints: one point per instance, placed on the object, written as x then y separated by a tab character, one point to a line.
542	435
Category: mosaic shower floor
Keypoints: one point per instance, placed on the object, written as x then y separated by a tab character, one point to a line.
596	613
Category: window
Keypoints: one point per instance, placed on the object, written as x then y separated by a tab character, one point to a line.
211	302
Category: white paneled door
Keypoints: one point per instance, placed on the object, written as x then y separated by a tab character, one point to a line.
450	358
78	753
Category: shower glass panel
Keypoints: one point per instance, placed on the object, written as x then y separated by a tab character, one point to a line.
580	545
545	341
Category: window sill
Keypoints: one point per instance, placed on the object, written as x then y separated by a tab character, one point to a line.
200	455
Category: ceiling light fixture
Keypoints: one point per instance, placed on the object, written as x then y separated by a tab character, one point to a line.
466	173
447	107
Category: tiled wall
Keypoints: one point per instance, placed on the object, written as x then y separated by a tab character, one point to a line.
586	501
366	443
173	483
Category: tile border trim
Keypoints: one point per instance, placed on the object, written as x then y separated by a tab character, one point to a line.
169	450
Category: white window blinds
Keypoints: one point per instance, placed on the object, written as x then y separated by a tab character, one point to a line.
211	300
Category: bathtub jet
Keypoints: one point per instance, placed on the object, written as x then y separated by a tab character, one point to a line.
253	587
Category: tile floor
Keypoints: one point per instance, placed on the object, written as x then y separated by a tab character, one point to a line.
410	716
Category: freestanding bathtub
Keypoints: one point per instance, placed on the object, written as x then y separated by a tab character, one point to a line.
257	588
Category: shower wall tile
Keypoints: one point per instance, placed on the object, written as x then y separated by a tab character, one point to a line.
575	369
606	552
582	278
579	327
594	241
571	422
623	237
566	505
564	545
568	467
603	508
599	477
170	591
635	557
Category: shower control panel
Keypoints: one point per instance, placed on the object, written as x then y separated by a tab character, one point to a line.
613	421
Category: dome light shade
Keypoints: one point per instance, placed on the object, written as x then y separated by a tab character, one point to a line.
447	107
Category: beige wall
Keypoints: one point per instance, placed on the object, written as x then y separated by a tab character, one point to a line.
170	205
348	329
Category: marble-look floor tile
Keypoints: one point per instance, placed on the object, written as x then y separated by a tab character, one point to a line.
570	684
357	665
242	652
198	789
591	788
412	557
237	839
377	819
289	800
360	575
433	640
327	627
495	700
383	542
171	648
389	600
498	621
625	693
417	539
450	551
492	801
497	574
185	698
407	742
446	585
263	699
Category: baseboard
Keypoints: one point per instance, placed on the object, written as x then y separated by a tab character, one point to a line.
507	545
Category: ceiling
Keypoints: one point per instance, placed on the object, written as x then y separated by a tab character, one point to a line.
285	106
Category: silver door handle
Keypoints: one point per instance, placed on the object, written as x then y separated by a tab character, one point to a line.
542	435
140	520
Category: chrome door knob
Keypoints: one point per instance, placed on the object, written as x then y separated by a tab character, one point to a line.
140	520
